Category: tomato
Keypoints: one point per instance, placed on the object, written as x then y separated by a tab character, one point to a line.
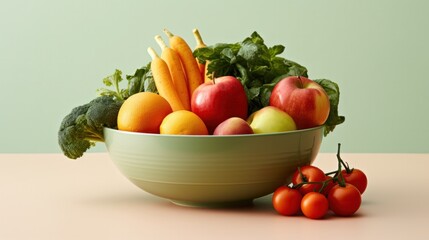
311	174
357	178
287	201
314	205
344	201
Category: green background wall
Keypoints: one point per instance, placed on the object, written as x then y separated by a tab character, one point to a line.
53	55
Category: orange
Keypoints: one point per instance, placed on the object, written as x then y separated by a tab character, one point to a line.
183	122
143	112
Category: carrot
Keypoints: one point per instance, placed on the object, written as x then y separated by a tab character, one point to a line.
176	71
190	65
201	44
163	81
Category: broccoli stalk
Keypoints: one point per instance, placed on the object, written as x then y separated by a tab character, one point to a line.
83	126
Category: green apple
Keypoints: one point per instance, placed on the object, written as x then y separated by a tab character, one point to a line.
271	119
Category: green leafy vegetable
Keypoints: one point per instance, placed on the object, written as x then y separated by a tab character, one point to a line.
253	63
83	126
141	81
260	68
113	80
333	92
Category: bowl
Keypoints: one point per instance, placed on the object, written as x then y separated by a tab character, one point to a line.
211	171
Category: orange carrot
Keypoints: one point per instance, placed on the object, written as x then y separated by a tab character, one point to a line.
190	65
163	81
176	71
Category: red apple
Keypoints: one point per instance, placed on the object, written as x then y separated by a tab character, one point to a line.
231	126
216	101
303	99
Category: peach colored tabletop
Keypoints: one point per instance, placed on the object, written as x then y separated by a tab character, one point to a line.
46	196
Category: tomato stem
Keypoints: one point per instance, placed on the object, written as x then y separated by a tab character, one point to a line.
324	184
303	178
330	173
340	179
346	165
303	183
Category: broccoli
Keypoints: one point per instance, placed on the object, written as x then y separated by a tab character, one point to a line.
83	126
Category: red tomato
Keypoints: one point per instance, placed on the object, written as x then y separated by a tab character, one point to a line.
344	201
357	178
314	205
287	201
311	174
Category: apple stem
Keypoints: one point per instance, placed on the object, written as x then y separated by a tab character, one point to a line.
301	85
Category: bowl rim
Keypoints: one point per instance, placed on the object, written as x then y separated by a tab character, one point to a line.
214	136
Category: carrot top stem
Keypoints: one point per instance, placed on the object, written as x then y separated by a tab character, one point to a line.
168	33
198	38
160	42
152	53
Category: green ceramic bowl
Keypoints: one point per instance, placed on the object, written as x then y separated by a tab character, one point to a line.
211	171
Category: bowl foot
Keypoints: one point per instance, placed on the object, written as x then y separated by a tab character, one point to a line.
233	204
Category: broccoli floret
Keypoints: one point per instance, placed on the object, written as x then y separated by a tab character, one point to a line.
83	126
103	112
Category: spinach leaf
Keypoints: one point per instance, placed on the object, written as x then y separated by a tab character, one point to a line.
259	68
251	61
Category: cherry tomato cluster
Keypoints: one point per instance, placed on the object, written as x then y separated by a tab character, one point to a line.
314	192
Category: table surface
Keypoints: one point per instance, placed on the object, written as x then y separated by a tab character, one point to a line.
47	196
